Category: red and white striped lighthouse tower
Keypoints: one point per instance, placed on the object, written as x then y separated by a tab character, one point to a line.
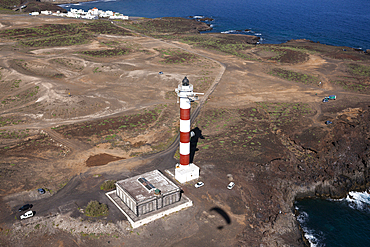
185	171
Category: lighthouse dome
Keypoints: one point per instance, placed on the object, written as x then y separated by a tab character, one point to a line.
185	82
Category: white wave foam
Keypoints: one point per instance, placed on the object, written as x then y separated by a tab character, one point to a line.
258	34
229	31
336	200
359	200
312	236
302	217
198	16
314	242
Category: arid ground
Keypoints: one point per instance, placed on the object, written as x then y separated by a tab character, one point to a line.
82	102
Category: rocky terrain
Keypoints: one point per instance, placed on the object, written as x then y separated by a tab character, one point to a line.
14	6
83	102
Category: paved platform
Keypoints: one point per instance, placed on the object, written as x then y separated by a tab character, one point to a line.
136	221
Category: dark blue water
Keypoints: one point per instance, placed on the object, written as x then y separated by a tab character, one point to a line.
334	22
336	223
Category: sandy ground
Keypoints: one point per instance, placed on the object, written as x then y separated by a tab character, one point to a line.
73	88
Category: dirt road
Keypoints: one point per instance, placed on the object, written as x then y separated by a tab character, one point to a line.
62	105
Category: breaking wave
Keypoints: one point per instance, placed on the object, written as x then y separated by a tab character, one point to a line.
315	238
359	200
336	222
246	31
229	31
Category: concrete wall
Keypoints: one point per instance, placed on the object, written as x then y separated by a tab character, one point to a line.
127	199
160	214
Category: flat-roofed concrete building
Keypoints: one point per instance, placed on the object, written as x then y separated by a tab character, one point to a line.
147	192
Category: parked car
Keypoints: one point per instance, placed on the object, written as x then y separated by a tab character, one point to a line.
199	184
41	191
231	185
25	207
334	97
26	215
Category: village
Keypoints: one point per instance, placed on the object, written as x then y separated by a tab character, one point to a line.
91	14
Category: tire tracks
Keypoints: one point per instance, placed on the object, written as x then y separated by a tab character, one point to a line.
72	144
211	89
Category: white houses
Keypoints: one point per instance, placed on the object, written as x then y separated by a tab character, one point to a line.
46	12
94	13
118	16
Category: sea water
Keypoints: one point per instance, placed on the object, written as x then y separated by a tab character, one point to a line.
333	22
344	222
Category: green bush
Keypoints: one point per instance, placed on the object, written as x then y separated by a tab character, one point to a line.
96	209
108	185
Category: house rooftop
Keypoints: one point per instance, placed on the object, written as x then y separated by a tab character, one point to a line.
142	187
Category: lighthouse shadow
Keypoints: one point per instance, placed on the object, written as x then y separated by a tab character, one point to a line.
194	142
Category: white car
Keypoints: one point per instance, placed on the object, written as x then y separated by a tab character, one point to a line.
199	184
26	215
231	185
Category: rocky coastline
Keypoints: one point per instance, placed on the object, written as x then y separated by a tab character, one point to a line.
340	165
64	1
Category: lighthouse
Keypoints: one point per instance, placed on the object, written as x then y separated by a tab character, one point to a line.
185	171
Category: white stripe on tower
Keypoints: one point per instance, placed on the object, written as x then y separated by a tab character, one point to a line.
184	131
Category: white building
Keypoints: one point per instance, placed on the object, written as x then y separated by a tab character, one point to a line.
147	192
73	15
119	16
93	11
89	16
46	12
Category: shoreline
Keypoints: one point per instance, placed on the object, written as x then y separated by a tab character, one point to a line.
57	2
64	2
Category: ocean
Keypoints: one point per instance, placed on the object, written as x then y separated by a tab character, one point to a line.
334	22
344	222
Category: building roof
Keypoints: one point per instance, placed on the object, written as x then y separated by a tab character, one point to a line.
142	187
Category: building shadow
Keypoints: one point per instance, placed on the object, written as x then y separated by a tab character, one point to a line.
197	133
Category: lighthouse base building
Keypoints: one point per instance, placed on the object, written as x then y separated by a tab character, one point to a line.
148	197
187	173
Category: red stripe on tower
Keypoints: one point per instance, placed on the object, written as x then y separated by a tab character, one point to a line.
184	131
185	114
